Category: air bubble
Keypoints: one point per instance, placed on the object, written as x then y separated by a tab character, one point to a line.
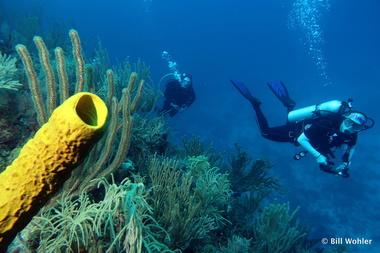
305	17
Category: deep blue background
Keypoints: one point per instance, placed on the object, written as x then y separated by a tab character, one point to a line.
250	40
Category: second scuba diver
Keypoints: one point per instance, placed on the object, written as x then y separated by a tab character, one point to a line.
179	95
317	128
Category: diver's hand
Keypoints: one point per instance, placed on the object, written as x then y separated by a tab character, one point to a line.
175	106
178	108
342	168
321	159
181	109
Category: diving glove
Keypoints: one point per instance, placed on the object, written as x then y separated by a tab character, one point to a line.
322	160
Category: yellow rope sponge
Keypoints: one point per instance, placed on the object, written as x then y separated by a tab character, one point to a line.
45	162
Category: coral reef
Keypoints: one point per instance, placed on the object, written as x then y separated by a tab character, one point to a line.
195	147
198	165
149	136
235	244
136	191
187	208
257	177
168	211
121	220
278	231
16	124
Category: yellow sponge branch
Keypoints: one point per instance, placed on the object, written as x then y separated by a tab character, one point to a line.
45	162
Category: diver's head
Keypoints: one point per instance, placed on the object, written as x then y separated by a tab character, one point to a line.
185	80
353	123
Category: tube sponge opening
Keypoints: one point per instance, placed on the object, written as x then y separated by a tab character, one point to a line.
91	110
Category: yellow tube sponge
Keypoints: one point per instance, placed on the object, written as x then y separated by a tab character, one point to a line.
45	162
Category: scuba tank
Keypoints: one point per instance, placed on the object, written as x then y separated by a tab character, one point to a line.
323	109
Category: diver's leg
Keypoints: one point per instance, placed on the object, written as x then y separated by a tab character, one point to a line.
261	120
279	133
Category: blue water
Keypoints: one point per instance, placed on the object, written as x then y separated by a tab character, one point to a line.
334	56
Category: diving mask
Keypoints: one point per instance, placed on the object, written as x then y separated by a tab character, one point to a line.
353	123
185	82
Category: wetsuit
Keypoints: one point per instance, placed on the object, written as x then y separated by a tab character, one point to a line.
285	133
177	95
325	135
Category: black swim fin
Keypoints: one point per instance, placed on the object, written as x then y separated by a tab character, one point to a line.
245	92
279	89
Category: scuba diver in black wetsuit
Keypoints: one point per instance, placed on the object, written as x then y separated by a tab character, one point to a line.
179	94
317	128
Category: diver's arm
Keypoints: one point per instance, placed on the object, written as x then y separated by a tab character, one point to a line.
305	142
190	97
350	152
178	108
346	158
